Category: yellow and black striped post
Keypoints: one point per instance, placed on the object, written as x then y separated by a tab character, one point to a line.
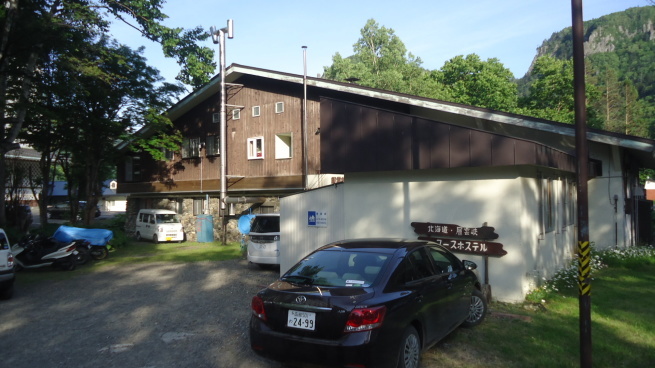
584	268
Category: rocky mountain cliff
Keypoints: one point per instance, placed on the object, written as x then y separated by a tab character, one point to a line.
612	33
620	44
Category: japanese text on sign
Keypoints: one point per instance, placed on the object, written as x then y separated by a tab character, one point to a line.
317	218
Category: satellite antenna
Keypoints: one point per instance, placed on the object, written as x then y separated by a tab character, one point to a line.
214	33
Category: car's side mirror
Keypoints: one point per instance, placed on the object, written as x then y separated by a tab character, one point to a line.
470	265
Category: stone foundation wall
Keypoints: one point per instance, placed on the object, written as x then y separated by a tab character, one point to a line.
189	220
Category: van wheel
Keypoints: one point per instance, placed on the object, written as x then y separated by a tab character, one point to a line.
154	239
138	236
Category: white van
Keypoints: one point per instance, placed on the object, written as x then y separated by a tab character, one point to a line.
159	225
264	240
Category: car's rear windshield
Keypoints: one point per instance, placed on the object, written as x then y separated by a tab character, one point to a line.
338	268
265	224
167	218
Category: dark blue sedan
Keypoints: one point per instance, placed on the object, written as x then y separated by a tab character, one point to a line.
366	303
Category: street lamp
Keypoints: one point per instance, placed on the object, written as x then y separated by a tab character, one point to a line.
218	36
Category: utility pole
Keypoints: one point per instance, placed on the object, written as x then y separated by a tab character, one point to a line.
582	153
218	36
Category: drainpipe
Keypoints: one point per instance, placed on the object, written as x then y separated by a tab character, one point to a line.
304	118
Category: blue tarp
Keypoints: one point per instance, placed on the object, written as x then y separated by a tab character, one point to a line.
244	224
94	236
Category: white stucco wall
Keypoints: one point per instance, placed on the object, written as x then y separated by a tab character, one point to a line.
466	197
608	224
297	239
509	199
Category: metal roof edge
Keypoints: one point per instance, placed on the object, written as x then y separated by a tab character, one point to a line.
234	71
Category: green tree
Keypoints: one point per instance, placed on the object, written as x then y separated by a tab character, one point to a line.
115	94
32	31
472	81
381	60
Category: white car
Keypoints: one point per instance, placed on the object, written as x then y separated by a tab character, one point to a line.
264	240
7	271
159	225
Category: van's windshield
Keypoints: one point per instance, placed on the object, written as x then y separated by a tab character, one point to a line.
265	224
167	219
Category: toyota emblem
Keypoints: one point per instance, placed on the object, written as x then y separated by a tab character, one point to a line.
301	299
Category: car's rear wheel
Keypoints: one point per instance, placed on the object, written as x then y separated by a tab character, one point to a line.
477	309
410	349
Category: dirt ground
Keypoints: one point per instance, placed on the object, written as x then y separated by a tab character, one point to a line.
149	315
153	315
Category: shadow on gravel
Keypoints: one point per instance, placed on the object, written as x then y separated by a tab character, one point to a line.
140	315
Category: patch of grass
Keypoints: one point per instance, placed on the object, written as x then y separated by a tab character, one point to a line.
140	252
172	252
546	334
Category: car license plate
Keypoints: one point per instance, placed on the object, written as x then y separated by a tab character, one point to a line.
169	238
302	320
261	246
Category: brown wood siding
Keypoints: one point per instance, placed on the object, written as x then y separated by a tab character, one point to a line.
356	138
185	174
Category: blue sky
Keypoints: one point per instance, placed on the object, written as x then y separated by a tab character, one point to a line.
270	34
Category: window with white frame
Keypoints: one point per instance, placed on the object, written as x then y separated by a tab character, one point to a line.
236	114
283	146
279	107
213	145
190	147
168	154
133	168
256	110
216	117
255	148
198	206
564	192
128	169
572	195
546	205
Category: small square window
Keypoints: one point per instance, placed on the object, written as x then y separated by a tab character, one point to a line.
255	111
279	107
216	117
236	114
256	148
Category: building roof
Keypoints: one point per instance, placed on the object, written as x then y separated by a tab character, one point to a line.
557	135
59	188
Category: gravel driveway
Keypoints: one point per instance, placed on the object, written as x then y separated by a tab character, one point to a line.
150	315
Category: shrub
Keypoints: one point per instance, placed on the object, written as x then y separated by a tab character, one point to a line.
565	280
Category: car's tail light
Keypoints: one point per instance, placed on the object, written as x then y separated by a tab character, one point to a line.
257	306
363	319
10	260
